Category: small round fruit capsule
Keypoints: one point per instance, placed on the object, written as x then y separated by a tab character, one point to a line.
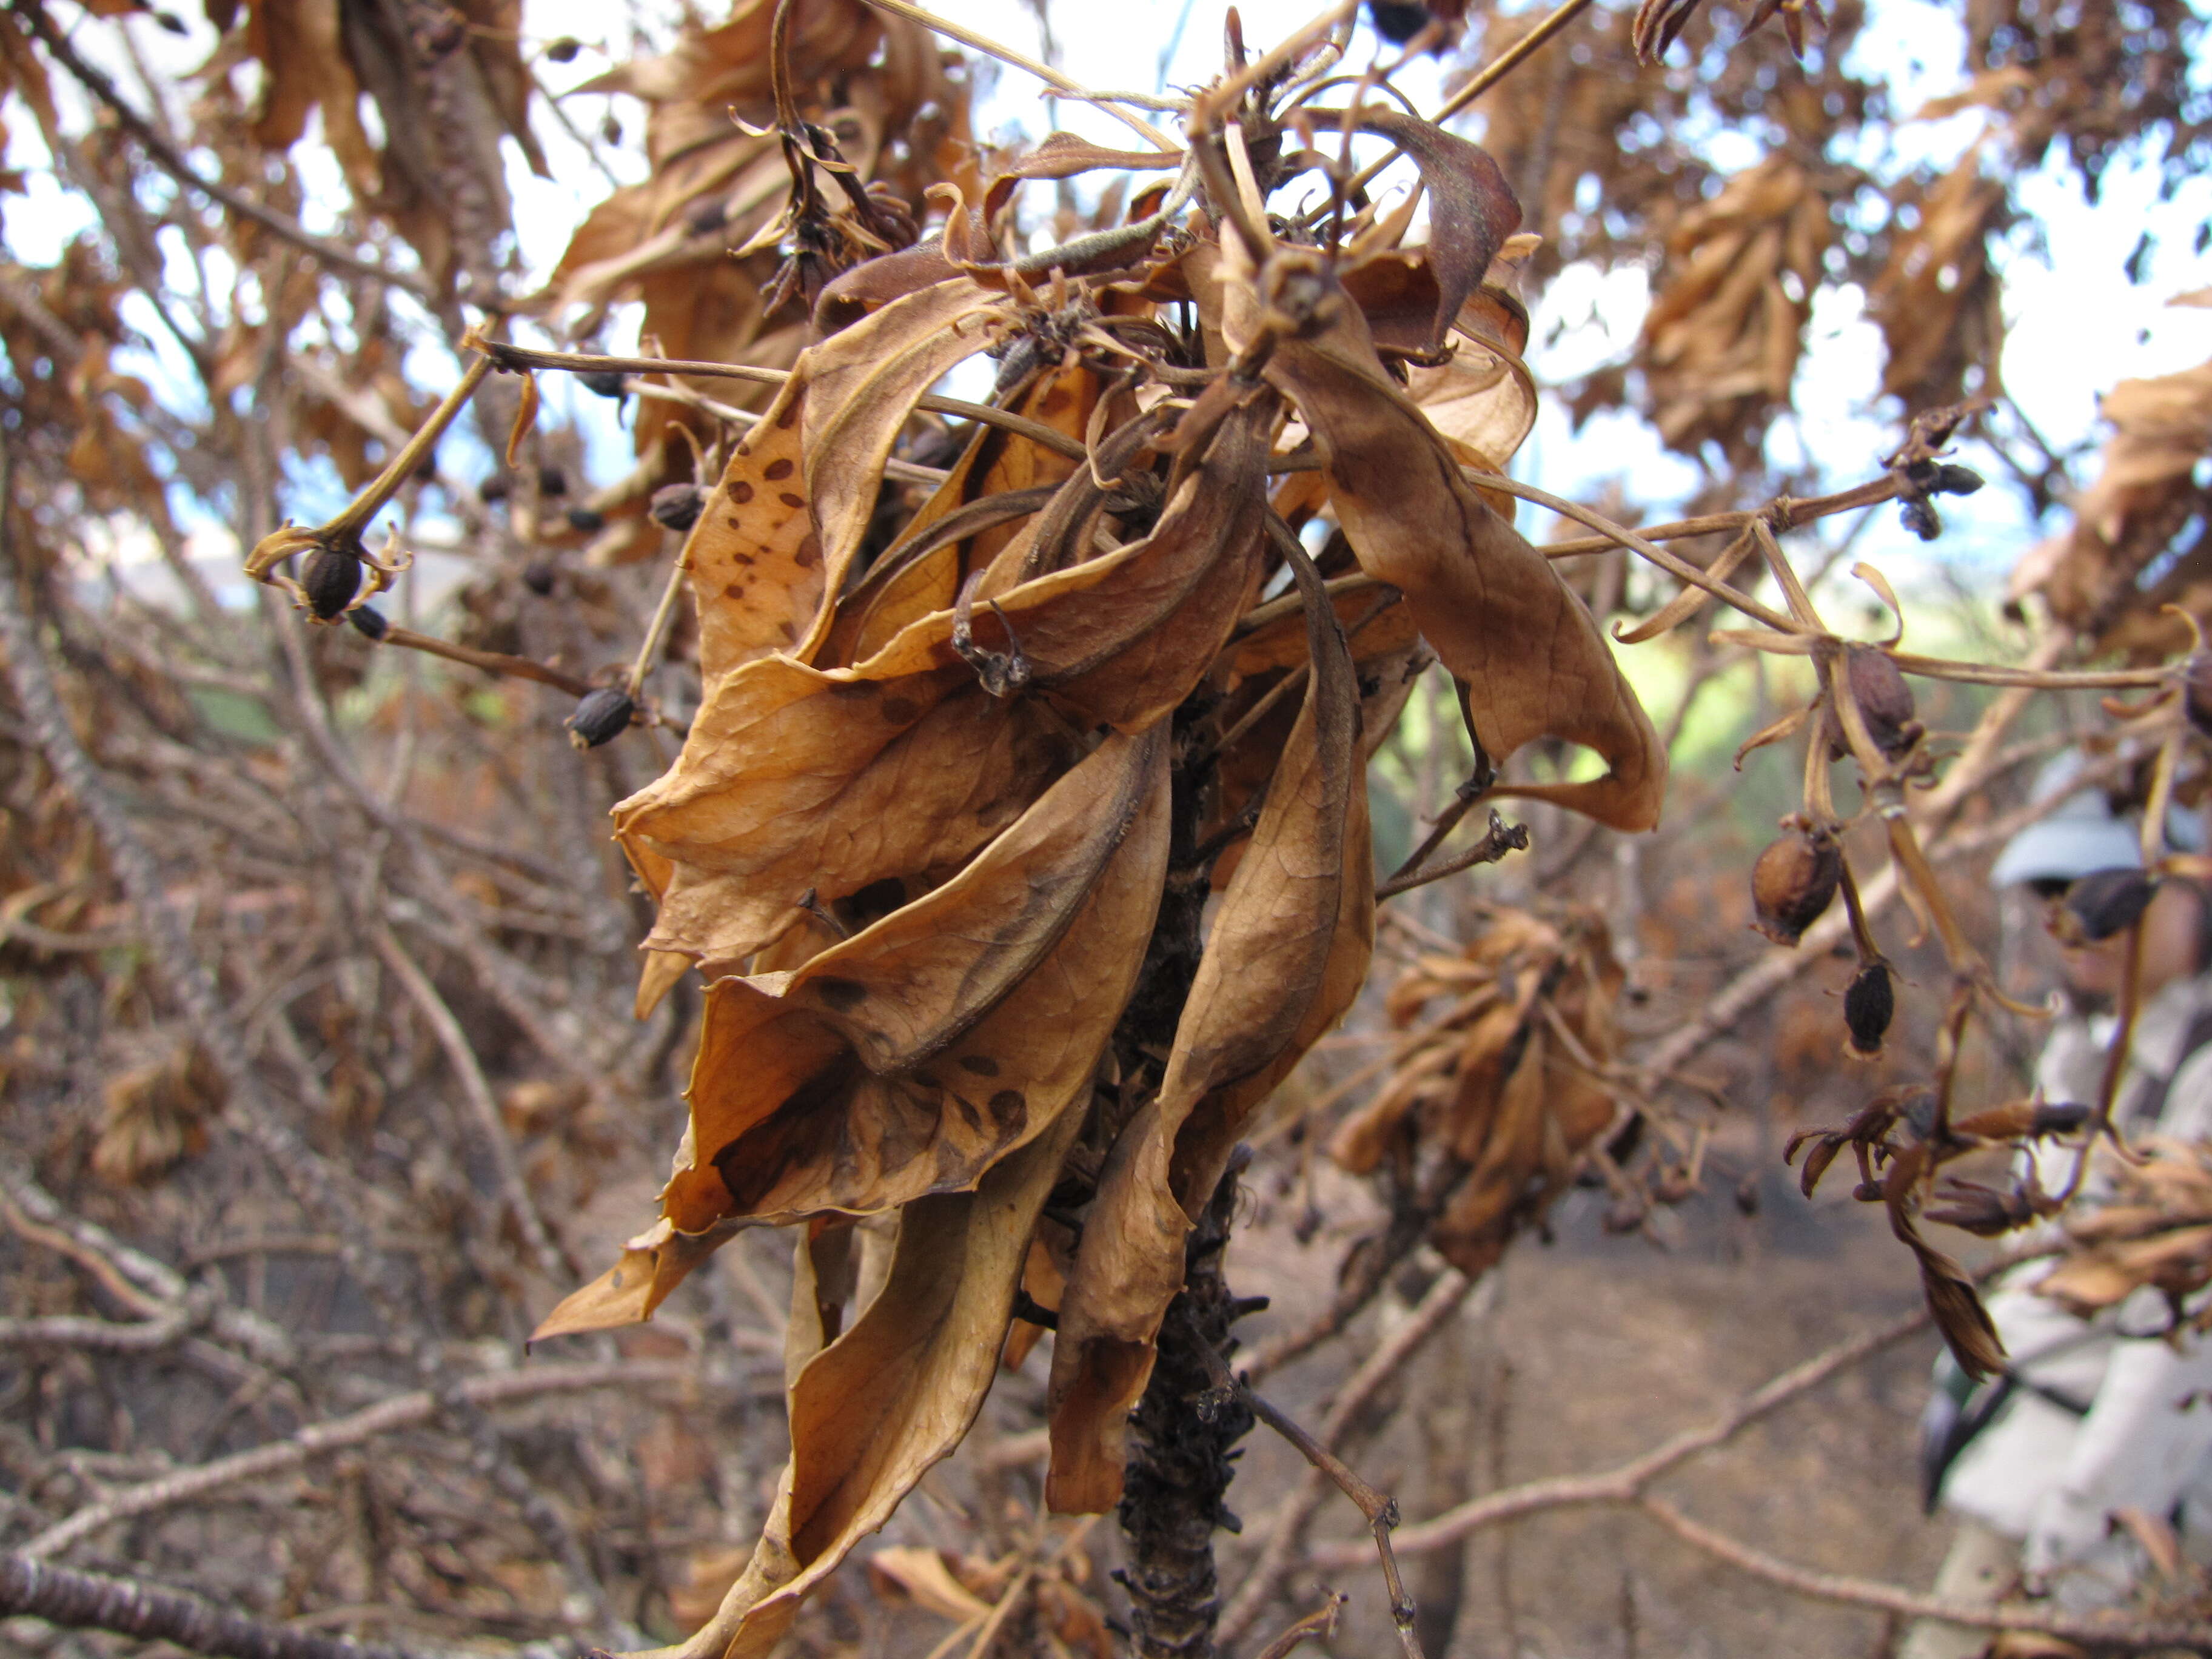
329	580
1868	1006
677	506
1793	883
600	717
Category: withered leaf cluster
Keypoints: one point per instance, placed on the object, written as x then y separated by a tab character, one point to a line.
2154	1232
2146	505
958	780
1503	1073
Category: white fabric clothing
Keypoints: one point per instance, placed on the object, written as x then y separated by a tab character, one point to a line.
2040	1473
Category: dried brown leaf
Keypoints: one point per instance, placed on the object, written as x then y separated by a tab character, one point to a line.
1286	953
793	779
874	1409
1497	613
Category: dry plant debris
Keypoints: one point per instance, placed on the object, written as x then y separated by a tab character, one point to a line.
1017	847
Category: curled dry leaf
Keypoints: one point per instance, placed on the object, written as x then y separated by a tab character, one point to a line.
2156	1231
1122	638
1533	659
911	1057
793	780
782	527
875	1408
1265	988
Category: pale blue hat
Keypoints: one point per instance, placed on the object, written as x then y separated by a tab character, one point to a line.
2083	835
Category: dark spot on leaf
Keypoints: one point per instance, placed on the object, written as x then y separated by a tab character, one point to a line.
1007	1106
781	468
740	492
790	500
982	1064
841	993
810	550
789	415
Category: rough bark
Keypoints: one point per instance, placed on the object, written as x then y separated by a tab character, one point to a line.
1182	1438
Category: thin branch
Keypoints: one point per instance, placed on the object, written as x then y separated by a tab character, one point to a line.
552	1259
1380	1508
520	357
106	1335
278	1457
2095	1630
1783	513
1499	839
94	1600
172	160
1507	61
1322	1622
1672	564
1488	76
1381	1367
492	662
1625	1482
1044	72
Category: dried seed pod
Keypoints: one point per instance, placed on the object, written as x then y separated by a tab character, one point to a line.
600	717
611	129
2196	691
677	506
492	490
1396	21
2103	903
1884	699
538	577
587	519
1793	883
1868	1006
606	382
552	480
330	578
1920	518
1951	479
2059	1117
564	50
368	621
1985	1211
